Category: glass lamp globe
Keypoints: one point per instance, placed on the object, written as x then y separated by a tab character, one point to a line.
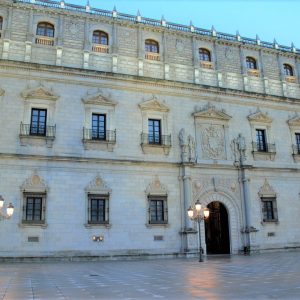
198	205
10	210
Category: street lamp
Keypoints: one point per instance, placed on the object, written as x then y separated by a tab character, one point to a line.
198	214
9	209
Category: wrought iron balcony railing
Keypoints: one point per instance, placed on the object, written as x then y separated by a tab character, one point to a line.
161	140
296	149
158	23
263	147
42	131
108	136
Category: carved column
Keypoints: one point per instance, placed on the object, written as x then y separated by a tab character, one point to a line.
195	61
115	48
140	52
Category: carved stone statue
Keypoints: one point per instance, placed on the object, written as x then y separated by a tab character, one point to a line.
182	137
191	144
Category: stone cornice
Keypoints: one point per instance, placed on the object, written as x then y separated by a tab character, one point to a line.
147	84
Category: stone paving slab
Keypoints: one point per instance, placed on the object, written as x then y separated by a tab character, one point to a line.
262	276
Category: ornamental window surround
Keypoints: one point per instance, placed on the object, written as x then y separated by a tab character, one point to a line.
99	131
152	50
97	203
154	136
262	146
33	201
294	126
157	203
268	200
45	34
100	42
37	127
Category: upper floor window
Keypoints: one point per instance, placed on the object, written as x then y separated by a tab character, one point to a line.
288	70
151	46
100	37
99	127
38	121
45	29
261	140
154	131
251	63
100	41
1	22
204	54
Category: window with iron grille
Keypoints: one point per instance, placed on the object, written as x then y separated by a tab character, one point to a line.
100	37
158	211
269	209
34	208
297	136
261	140
38	121
98	209
288	70
99	127
45	29
154	131
251	63
204	54
151	46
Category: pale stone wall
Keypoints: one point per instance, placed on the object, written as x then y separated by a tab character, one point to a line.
219	100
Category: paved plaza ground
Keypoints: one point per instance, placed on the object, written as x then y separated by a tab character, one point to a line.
261	276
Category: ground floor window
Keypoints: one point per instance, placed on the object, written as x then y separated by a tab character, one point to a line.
34	208
269	209
158	210
98	209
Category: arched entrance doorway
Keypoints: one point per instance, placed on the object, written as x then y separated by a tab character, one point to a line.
217	229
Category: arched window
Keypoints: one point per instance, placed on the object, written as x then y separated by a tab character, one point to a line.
1	22
45	29
288	70
204	54
251	63
151	46
100	37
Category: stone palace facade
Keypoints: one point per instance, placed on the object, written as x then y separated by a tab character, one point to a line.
112	126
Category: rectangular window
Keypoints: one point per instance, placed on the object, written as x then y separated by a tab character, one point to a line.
154	131
98	209
261	140
158	212
297	136
33	209
38	121
99	127
269	209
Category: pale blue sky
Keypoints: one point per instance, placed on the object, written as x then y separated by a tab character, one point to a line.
267	18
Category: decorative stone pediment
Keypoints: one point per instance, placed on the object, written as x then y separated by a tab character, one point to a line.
153	105
34	184
259	117
2	92
156	188
39	93
267	190
98	99
210	112
98	186
295	121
